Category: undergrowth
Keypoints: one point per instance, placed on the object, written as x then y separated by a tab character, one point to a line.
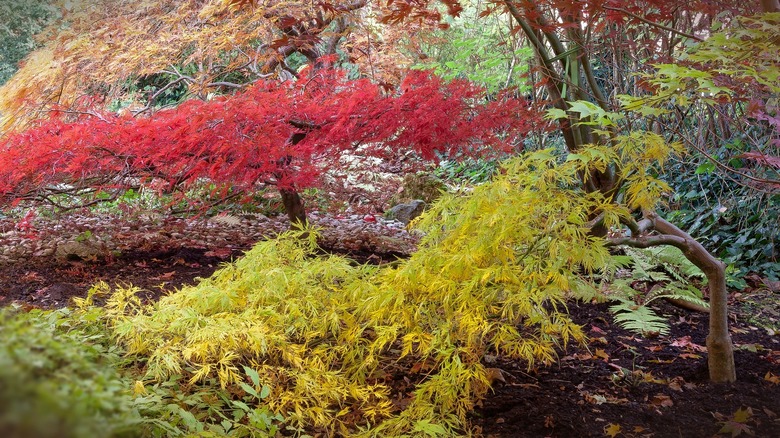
59	377
312	344
655	273
325	336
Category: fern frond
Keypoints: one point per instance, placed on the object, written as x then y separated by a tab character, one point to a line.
673	291
638	318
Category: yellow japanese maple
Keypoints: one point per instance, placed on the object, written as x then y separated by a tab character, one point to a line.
491	277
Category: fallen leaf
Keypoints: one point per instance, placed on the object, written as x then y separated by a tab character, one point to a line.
771	378
743	415
165	276
662	400
31	276
495	375
676	384
685	342
735	429
601	354
612	430
221	253
595	399
690	356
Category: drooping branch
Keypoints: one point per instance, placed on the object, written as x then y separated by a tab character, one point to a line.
720	350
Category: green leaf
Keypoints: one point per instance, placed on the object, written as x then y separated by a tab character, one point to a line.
249	389
252	375
190	421
242	406
265	391
705	168
429	428
555	114
584	108
640	319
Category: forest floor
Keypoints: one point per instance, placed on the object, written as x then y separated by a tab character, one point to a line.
619	384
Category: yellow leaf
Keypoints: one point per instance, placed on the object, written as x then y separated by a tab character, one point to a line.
139	388
601	354
743	415
612	430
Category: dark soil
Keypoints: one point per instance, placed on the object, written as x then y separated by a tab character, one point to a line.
620	384
629	386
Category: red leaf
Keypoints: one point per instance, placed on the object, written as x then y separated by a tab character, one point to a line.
766	160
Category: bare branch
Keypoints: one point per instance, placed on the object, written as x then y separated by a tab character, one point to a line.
653	23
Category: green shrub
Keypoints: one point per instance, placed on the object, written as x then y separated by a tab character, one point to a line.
59	378
736	223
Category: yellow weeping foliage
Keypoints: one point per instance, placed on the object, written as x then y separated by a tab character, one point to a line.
491	276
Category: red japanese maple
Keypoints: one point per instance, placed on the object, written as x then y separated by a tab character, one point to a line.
285	134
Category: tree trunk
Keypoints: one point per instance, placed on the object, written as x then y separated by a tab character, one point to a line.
770	5
720	350
293	205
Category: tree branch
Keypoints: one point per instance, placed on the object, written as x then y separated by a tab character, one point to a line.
653	23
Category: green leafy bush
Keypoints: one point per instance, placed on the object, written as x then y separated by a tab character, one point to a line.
61	375
20	21
59	378
736	223
484	51
467	170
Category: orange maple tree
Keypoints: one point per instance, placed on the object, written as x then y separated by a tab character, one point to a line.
201	47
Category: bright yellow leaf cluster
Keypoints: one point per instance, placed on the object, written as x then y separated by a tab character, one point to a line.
491	276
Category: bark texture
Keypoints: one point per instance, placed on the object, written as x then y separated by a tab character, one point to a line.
770	5
293	205
720	350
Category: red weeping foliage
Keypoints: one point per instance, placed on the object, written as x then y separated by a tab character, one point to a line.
250	138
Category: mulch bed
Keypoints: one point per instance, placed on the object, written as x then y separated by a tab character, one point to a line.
620	384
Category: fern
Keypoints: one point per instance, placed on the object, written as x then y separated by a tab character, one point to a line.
662	263
668	274
676	291
638	318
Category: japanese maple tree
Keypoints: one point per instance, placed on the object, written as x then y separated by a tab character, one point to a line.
199	48
572	39
282	134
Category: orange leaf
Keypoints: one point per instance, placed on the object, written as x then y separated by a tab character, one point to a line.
662	401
